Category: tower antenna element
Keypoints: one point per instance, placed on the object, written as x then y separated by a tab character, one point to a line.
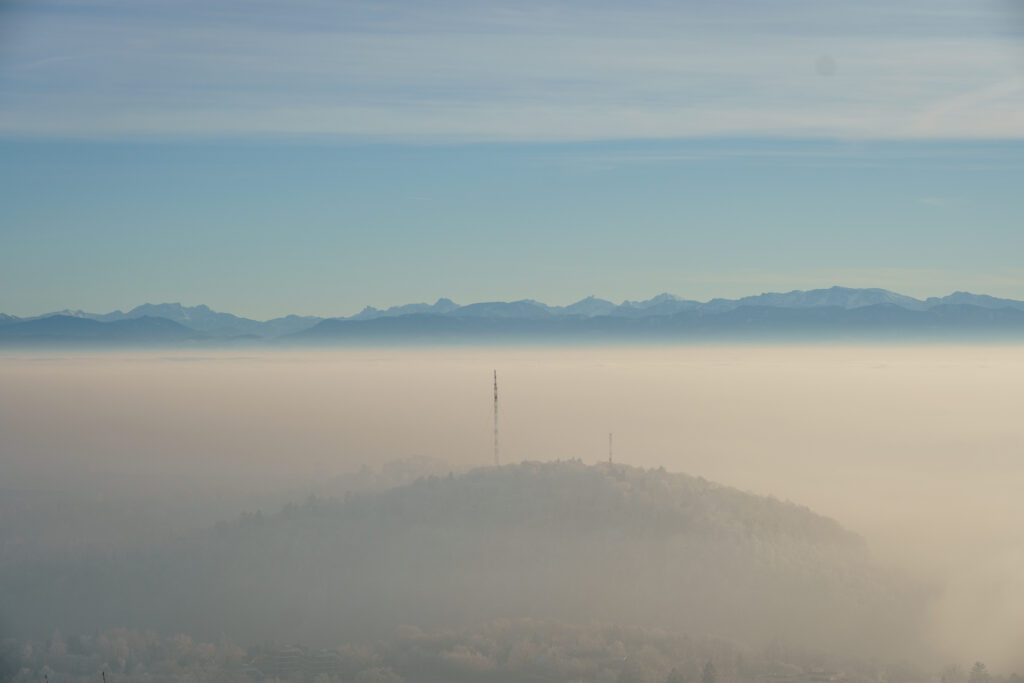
497	461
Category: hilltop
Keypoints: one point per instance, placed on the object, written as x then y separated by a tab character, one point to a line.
560	540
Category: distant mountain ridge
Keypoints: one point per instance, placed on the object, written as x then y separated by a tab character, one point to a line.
841	311
199	318
65	328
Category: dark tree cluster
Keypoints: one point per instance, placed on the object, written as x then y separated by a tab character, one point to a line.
500	651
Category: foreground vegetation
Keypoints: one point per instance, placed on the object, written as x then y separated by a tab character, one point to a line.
497	651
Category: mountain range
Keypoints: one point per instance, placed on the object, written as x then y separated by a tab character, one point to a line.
821	313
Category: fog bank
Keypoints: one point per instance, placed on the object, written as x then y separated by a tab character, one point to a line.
916	448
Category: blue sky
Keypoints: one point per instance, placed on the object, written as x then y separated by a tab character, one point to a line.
314	157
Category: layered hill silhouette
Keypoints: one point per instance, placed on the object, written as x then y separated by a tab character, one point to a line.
563	540
64	328
834	313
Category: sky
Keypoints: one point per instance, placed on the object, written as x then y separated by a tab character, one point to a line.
316	157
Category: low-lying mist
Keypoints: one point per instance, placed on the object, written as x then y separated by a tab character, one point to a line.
917	449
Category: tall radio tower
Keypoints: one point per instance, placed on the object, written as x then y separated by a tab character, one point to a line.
497	461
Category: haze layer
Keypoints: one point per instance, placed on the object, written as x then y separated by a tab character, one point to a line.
915	448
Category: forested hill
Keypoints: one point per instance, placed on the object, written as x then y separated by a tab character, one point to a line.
562	540
569	497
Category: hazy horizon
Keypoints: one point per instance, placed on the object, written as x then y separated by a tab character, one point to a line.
730	294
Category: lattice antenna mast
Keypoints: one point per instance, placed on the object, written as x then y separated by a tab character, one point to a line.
497	461
609	448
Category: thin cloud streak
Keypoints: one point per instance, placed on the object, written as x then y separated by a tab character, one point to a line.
503	73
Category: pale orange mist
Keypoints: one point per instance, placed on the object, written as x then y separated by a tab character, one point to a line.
917	448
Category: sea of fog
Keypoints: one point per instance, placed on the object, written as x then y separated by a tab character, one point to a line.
916	448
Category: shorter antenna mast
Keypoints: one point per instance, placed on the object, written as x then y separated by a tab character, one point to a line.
609	448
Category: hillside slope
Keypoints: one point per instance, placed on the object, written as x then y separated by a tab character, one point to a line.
540	540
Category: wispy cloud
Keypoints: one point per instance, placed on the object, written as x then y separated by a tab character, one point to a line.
510	71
